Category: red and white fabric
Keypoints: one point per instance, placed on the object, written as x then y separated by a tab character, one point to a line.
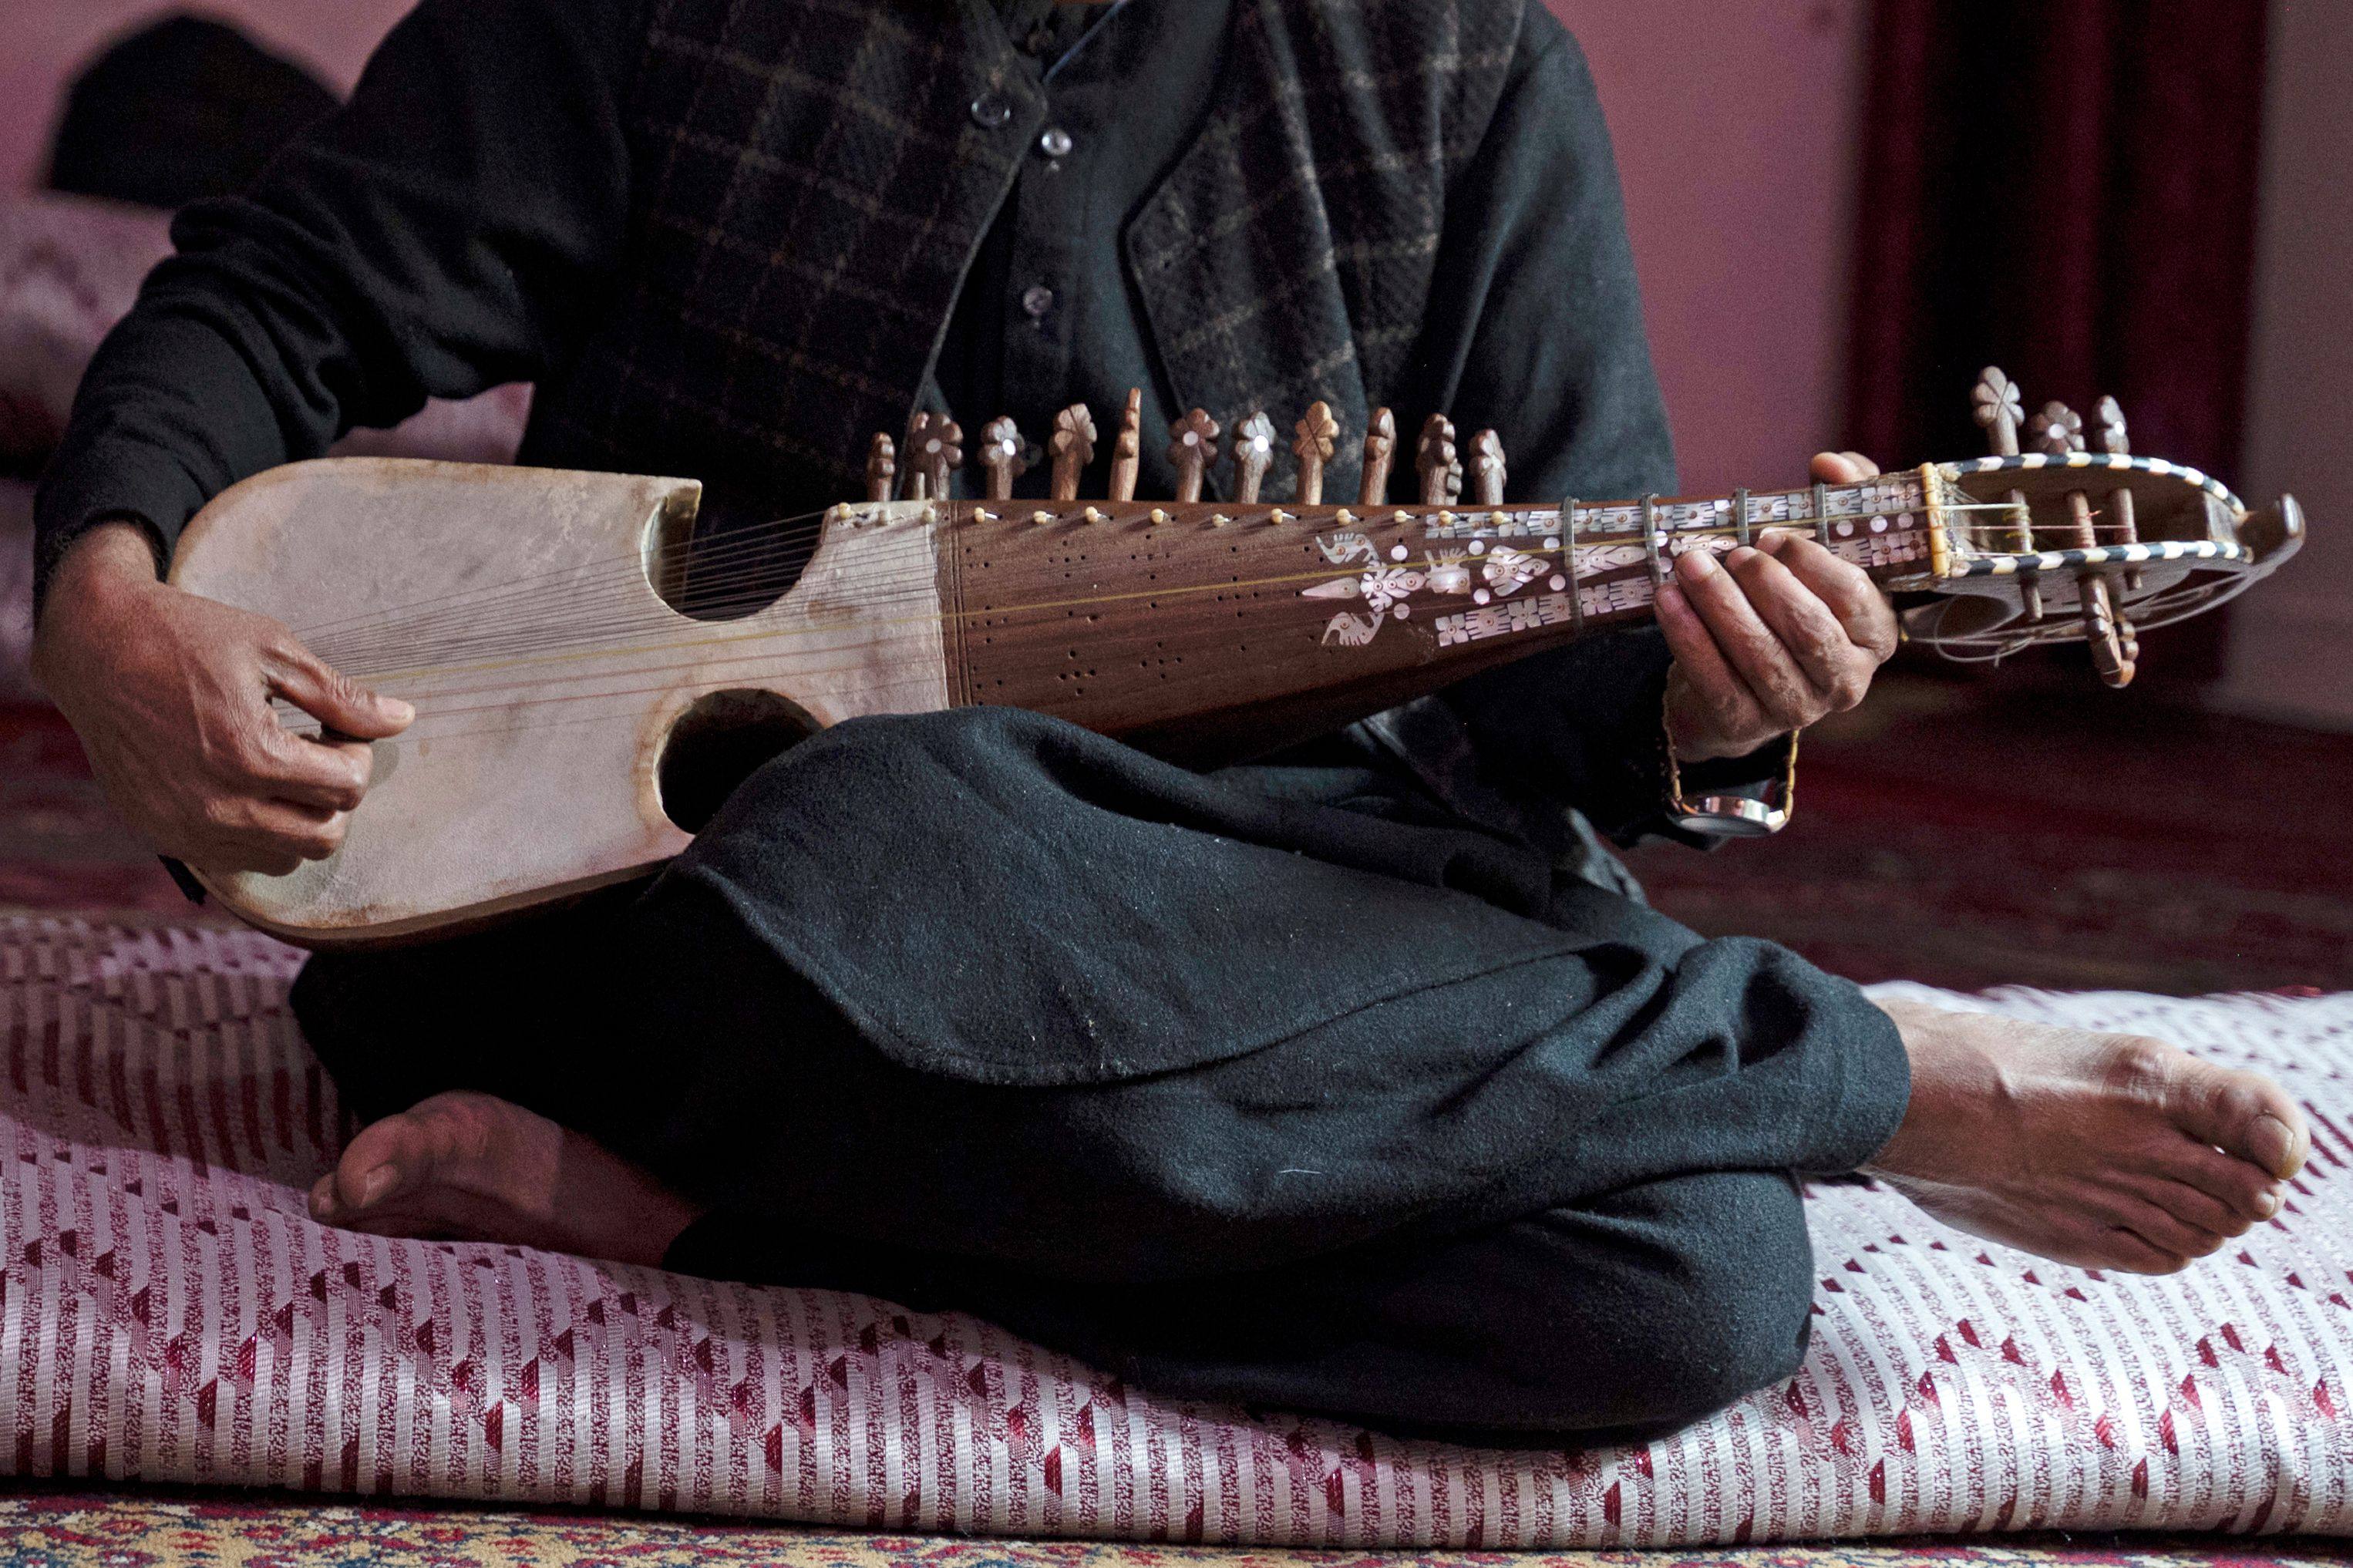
168	1313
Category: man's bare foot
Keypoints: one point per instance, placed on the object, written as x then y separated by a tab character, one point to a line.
2103	1151
468	1167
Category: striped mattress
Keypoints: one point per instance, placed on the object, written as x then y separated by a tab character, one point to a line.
168	1313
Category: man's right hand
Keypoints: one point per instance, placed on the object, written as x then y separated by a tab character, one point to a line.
170	693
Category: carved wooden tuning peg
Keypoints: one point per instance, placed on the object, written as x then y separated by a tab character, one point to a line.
1073	446
1380	451
1002	457
1253	451
938	454
2117	442
1127	448
2113	646
915	484
1192	442
881	468
2057	429
1318	436
1439	464
1487	469
2114	439
2000	409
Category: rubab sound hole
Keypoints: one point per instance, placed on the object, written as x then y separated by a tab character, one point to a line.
719	743
718	566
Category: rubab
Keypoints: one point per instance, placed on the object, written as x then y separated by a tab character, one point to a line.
591	679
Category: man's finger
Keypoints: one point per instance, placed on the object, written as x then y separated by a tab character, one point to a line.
1840	468
329	775
1750	647
1808	629
282	825
1724	697
1845	587
271	836
334	699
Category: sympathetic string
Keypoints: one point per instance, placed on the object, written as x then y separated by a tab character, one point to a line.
603	601
738	564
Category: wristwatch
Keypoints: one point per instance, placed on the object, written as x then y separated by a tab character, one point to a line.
1726	816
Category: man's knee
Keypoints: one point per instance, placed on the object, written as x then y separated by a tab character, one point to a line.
1708	1298
956	740
877	765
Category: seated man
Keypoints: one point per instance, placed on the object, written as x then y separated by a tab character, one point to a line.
1355	1080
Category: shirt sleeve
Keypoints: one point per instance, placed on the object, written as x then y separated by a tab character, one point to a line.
1535	329
448	230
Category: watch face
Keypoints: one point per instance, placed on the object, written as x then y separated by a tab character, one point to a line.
1730	816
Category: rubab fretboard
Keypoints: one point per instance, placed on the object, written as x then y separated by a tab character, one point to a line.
1609	551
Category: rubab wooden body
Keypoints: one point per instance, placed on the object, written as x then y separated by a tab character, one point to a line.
543	766
538	779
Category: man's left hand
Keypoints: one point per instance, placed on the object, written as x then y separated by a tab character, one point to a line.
1770	638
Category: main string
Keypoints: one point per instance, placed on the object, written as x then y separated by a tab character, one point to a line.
832	655
410	642
740	560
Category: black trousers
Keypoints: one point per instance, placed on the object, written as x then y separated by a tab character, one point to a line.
1279	1085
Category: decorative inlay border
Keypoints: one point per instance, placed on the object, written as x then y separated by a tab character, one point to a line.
2110	460
2102	556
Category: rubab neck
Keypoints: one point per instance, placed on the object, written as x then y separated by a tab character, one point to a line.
1210	632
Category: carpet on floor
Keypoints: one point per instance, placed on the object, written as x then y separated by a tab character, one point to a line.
168	1313
1976	834
165	1529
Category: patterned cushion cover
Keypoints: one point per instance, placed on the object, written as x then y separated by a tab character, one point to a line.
70	267
168	1313
16	588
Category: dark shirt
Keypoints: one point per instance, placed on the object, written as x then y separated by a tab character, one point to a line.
1046	317
463	221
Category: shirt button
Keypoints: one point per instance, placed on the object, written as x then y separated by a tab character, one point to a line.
1055	142
1037	299
990	110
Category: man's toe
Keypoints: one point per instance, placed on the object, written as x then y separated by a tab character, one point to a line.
2167	1232
385	1157
2241	1114
2238	1185
2129	1250
2202	1212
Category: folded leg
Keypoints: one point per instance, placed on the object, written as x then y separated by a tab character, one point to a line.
1150	1065
1640	1311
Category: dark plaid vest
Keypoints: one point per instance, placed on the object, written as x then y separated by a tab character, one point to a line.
811	182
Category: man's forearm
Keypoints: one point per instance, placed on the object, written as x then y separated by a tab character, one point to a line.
97	564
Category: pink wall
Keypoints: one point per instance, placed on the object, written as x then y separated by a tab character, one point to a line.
1734	121
1735	126
2291	637
43	42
